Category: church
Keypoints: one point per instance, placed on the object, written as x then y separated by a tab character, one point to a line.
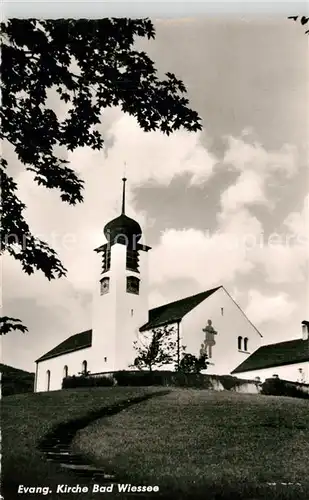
210	321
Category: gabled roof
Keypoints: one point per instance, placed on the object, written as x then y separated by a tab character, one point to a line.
272	355
175	311
73	343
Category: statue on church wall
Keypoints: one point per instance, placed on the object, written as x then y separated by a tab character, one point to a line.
209	342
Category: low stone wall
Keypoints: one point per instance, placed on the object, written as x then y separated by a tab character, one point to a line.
234	384
249	387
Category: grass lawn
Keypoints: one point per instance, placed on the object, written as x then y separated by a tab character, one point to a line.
26	418
210	445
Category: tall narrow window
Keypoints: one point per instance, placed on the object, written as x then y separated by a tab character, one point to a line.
48	380
84	367
132	285
245	344
239	343
104	286
65	371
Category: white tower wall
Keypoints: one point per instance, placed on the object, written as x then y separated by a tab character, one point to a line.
117	314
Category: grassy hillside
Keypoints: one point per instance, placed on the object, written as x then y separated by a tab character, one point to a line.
204	444
15	381
26	418
192	443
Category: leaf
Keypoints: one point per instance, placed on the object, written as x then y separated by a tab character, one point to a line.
7	324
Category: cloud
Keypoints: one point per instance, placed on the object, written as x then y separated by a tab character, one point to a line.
298	222
157	157
244	155
249	189
257	169
284	256
238	246
209	258
263	309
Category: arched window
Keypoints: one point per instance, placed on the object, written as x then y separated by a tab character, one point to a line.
48	380
65	371
104	286
245	344
132	285
84	366
239	343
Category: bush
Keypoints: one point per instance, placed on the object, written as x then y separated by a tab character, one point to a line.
87	381
278	387
191	364
140	378
193	380
161	378
229	382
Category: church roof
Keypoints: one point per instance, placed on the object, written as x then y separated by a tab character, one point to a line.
175	311
73	343
272	355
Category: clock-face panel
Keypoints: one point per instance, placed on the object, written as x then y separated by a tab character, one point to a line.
104	286
133	285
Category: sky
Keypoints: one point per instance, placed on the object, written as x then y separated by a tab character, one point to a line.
228	205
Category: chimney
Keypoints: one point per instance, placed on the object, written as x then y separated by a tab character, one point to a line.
305	329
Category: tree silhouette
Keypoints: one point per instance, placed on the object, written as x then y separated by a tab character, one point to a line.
93	65
302	19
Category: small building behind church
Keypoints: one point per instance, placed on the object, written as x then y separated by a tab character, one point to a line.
287	360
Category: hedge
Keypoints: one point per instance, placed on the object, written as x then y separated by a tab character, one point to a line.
87	381
277	387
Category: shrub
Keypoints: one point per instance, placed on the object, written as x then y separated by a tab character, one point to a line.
191	364
140	378
278	387
193	380
229	382
161	378
87	381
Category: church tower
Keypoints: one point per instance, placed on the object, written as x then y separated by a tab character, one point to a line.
120	303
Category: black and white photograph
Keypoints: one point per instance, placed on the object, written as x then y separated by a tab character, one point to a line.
155	257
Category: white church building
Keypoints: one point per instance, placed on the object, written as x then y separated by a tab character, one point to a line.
210	320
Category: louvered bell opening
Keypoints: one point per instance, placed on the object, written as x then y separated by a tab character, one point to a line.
132	261
106	260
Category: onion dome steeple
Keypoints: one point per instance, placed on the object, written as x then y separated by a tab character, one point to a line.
123	229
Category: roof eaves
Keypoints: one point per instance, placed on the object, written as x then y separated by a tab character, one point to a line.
46	356
146	327
270	365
